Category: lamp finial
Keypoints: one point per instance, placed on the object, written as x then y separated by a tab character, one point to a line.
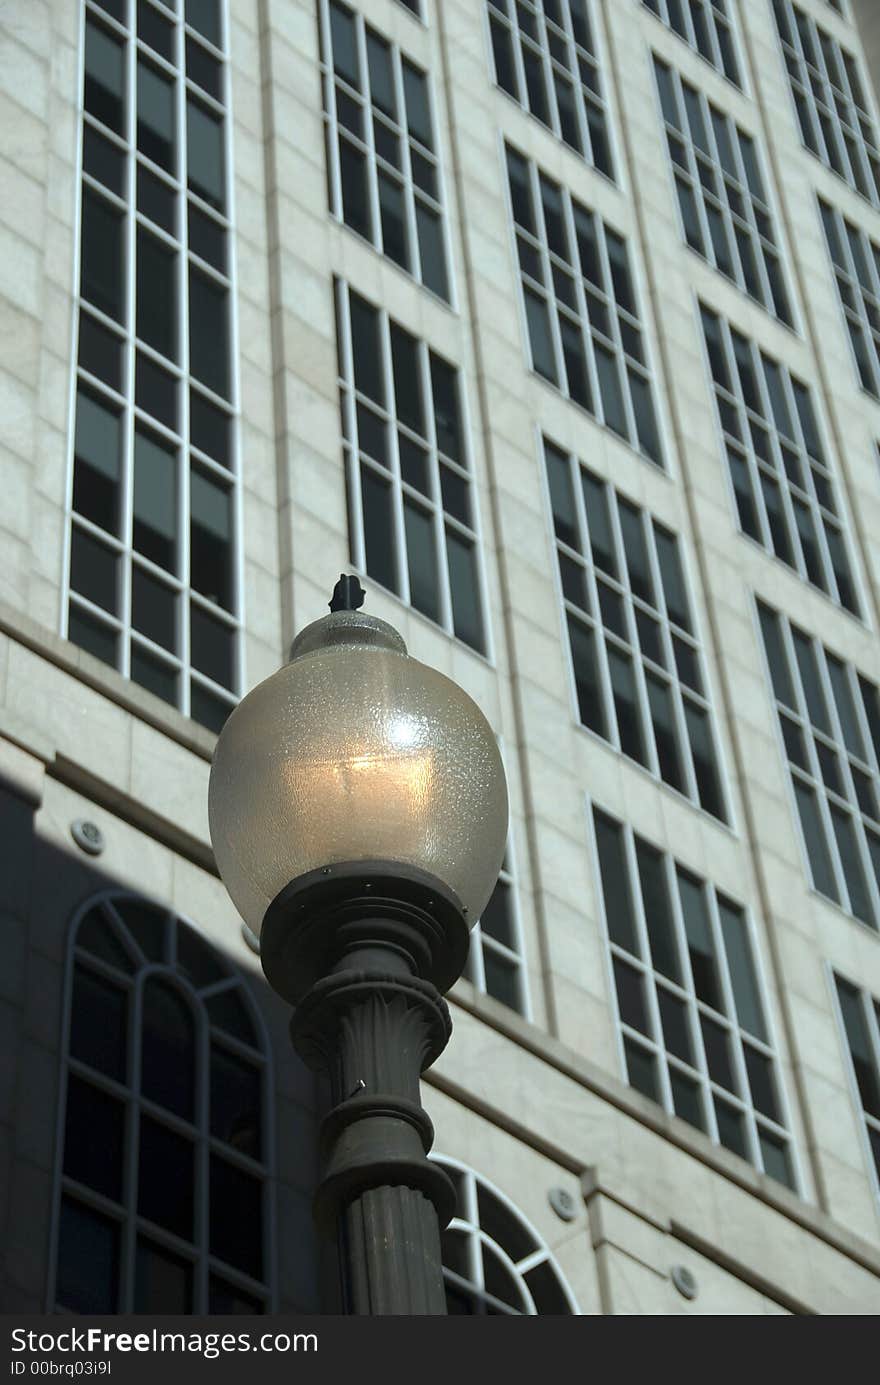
348	594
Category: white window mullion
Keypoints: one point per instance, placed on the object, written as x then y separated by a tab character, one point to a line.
581	296
547	266
640	907
751	459
606	691
692	1006
735	1040
849	793
815	769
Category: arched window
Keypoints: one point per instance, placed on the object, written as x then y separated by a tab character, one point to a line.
493	1260
163	1146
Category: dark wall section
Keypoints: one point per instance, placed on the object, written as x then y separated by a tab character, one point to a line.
41	888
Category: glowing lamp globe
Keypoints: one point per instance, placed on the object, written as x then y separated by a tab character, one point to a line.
351	752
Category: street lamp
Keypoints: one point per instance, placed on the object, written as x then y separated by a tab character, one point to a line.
358	813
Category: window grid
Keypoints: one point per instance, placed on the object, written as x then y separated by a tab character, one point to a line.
545	57
170	618
831	100
412	511
494	1262
579	299
636	659
829	719
496	960
782	483
725	212
132	946
859	1016
384	173
705	26
414	7
693	1030
856	261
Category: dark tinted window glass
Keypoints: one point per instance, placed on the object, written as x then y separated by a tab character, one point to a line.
155	501
96	462
94	570
211	647
153	608
207	238
209	333
101	280
210	539
88	1259
166	1181
155	391
619	910
204	154
702	953
209	428
167	1050
103	160
104	95
93	636
378	530
157	312
366	349
93	1138
235	1102
100	351
204	15
156	122
156	199
464	585
163	1282
238	1239
658	914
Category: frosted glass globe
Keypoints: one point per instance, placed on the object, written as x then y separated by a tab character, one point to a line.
353	751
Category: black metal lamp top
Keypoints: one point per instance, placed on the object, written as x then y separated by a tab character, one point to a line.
348	594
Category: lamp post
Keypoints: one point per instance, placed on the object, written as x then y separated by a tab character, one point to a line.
358	813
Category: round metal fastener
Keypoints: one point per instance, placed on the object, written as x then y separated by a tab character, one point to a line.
684	1281
88	836
563	1203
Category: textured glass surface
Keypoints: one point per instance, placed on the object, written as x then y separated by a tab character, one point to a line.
353	751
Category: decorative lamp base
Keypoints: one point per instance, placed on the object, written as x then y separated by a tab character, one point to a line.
364	950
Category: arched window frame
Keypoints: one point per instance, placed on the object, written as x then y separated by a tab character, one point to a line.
467	1221
196	1248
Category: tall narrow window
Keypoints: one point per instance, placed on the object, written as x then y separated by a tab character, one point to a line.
856	261
635	655
785	491
860	1019
495	964
164	1104
691	1012
706	26
582	314
383	168
545	57
829	716
411	505
153	537
494	1262
725	210
830	97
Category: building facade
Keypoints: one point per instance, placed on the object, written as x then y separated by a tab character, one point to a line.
558	322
